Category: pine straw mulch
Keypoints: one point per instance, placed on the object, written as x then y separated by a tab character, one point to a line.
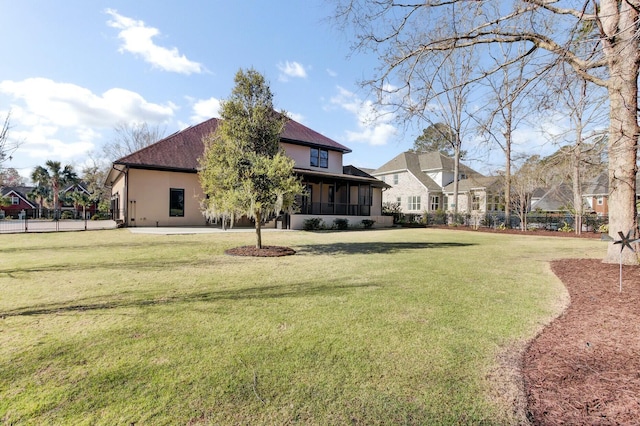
584	368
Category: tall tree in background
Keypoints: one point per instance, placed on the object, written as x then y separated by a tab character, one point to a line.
580	159
94	176
452	86
526	179
438	137
131	137
54	176
243	170
11	177
509	106
406	35
7	145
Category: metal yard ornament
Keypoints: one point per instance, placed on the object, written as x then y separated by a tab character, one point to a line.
625	241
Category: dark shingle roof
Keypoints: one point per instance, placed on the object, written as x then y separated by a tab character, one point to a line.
181	150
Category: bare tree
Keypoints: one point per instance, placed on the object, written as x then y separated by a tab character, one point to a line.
510	104
404	35
581	156
527	178
131	137
7	145
448	110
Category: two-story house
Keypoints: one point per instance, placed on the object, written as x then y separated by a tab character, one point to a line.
19	206
159	185
418	180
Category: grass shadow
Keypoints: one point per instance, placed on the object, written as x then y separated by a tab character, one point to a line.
250	293
375	247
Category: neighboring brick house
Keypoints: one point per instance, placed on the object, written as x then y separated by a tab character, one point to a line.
159	185
478	195
66	203
19	205
419	180
597	193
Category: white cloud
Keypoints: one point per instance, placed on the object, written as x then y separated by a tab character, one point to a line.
64	121
373	128
331	72
205	109
69	105
137	38
291	70
296	117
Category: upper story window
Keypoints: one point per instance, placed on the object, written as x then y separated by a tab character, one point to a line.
15	201
600	200
319	157
395	179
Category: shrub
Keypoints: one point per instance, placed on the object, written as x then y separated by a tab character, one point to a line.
440	217
313	224
566	228
66	215
604	228
341	224
368	223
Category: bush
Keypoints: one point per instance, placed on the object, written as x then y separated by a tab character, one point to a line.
440	217
313	224
67	215
341	224
566	228
368	223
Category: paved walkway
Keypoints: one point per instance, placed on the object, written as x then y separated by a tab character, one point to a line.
195	230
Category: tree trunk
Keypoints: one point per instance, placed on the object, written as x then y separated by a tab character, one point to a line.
622	169
577	185
456	173
507	180
258	219
621	51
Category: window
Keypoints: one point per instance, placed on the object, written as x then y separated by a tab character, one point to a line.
435	203
494	203
15	201
600	201
414	202
176	202
395	179
319	157
475	203
399	200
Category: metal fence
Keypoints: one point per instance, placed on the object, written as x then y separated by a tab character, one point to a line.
28	224
548	221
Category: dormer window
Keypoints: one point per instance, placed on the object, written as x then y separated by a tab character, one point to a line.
319	158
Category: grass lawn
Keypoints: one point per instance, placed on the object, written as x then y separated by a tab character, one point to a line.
395	326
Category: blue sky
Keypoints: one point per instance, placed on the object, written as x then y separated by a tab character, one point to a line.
73	70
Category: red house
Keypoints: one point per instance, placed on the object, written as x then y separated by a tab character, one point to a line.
19	207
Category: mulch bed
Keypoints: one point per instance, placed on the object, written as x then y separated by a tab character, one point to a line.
538	232
265	251
584	368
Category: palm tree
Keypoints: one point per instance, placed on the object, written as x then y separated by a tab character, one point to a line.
81	198
54	176
41	194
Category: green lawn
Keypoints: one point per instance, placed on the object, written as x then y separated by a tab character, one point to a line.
375	327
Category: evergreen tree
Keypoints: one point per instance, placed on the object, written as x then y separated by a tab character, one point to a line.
242	170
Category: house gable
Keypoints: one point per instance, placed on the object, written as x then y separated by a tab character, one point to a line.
16	194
